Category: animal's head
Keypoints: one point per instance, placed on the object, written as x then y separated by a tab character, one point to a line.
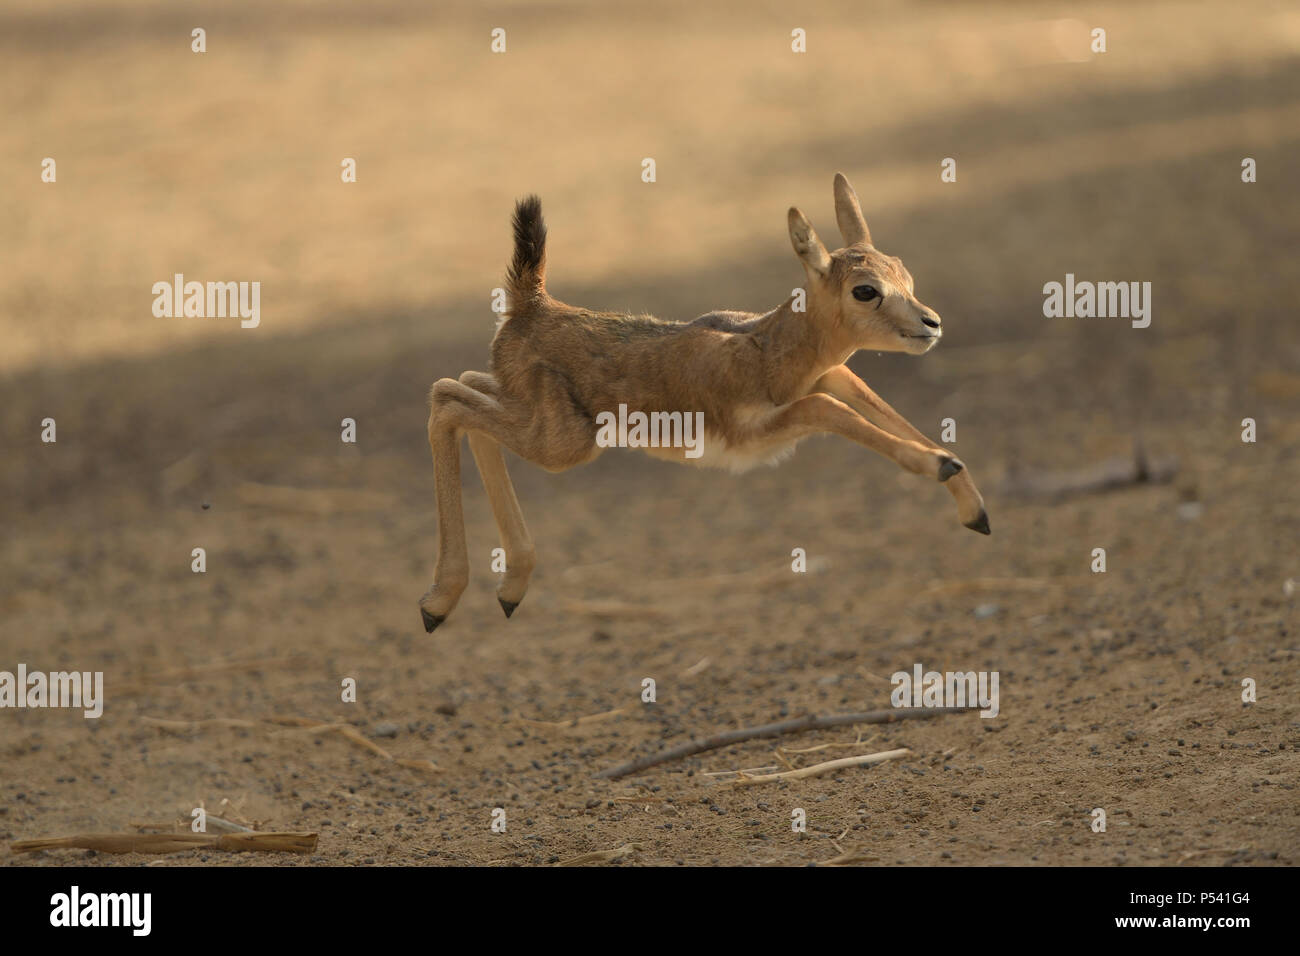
861	294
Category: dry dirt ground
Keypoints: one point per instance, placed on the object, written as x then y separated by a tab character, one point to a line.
1120	690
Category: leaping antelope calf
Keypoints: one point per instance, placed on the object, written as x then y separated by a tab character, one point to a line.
762	382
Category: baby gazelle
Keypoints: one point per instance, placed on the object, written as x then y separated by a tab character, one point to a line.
762	382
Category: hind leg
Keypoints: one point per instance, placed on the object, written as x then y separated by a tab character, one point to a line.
515	539
547	431
451	573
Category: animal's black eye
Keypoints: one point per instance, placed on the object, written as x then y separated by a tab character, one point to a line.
865	293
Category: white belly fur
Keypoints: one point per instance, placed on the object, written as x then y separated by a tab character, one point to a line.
738	456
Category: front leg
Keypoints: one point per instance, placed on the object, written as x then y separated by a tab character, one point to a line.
848	388
820	413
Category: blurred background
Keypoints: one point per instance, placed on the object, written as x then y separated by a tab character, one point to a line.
225	166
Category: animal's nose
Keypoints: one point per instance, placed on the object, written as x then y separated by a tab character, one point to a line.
931	320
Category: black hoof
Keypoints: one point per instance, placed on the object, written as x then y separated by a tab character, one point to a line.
507	606
981	524
950	467
431	620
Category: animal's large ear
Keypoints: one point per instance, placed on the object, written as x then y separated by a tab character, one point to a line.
849	214
816	260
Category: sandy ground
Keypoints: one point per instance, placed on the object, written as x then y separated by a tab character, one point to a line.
1120	691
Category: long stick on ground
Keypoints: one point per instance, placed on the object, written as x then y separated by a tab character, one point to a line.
1108	475
175	842
795	726
817	769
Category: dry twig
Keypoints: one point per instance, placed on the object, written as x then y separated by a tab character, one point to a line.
299	725
602	856
797	725
817	769
574	721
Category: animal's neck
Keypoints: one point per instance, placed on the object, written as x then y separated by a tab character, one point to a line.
799	348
